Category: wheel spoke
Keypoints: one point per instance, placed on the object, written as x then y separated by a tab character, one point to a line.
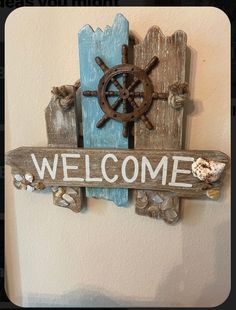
105	68
112	93
134	84
90	93
154	61
125	124
124	54
138	94
105	118
143	117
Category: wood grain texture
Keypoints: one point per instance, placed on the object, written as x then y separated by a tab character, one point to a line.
167	121
62	129
21	158
106	44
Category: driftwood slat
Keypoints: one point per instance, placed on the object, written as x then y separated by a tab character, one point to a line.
115	168
106	44
167	121
62	131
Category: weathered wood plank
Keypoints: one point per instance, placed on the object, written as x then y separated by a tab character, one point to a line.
62	129
115	168
107	45
167	121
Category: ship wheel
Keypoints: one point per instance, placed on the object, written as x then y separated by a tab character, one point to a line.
135	103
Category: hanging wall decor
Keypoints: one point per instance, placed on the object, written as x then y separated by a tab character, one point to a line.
120	127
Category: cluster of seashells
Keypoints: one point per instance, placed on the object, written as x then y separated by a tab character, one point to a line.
208	171
26	182
66	197
161	206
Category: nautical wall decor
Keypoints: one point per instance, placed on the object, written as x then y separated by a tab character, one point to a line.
120	128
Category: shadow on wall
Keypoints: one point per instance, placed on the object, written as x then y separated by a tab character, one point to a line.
177	290
179	286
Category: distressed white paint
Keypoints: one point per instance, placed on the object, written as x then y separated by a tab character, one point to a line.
103	168
153	174
137	167
66	167
45	164
175	171
88	178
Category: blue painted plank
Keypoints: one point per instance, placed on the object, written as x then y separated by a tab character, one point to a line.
106	44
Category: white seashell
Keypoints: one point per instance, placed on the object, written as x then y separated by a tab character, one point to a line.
68	198
60	202
18	177
207	170
19	185
30	188
29	177
71	191
157	199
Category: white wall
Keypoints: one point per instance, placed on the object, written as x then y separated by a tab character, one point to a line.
110	255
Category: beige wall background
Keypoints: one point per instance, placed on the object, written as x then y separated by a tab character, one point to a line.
110	256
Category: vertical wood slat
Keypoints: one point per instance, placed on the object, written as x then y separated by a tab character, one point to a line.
107	45
62	132
167	121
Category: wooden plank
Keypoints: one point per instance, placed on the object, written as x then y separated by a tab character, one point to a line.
62	128
116	168
167	121
106	44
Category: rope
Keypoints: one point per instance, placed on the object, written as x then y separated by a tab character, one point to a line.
65	95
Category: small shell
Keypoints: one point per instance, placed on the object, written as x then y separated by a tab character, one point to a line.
39	186
71	191
68	198
30	188
208	171
29	177
18	177
60	202
19	185
54	188
213	193
157	199
60	191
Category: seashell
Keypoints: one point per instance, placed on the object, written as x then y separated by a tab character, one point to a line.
157	199
54	188
18	177
68	198
213	193
71	191
171	214
153	211
29	177
208	171
39	186
60	191
19	185
29	188
60	202
142	200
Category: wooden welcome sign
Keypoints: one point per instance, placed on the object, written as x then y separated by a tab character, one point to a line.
120	128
